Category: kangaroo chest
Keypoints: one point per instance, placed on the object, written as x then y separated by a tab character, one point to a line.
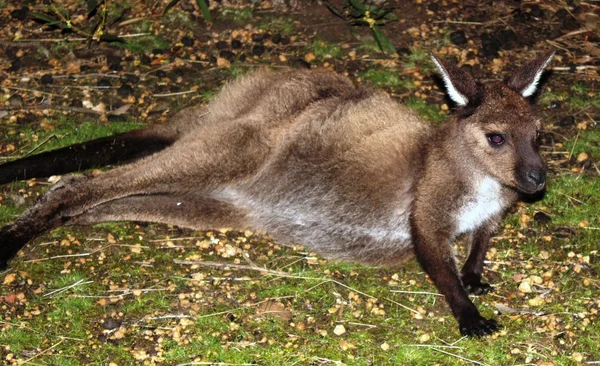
485	202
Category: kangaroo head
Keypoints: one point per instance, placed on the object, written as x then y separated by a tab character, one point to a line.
498	128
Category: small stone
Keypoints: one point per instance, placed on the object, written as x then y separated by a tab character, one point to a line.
541	218
47	79
111	323
125	90
385	346
458	37
258	50
339	330
15	100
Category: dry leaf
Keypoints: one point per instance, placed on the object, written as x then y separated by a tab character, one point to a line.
9	278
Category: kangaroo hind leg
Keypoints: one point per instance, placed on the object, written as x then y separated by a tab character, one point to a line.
194	211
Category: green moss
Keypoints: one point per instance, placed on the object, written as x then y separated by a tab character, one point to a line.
324	50
388	78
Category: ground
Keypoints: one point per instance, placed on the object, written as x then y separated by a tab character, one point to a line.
134	293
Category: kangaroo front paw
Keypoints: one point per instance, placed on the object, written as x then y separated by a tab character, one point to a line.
478	327
473	285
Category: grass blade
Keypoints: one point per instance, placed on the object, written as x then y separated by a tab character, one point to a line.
204	9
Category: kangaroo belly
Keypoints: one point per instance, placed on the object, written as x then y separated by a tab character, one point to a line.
340	230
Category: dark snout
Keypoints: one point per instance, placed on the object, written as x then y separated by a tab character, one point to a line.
532	179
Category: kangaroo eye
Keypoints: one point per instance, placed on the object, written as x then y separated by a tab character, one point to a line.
495	139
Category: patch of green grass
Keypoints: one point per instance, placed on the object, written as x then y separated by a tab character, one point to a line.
283	26
573	199
324	50
70	131
146	304
240	15
388	78
428	111
9	213
421	58
20	338
588	141
144	44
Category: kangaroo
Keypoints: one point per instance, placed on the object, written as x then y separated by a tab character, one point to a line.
312	159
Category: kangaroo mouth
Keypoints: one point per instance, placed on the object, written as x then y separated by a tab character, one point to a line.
530	188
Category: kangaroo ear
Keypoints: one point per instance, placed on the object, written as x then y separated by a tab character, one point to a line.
460	85
526	78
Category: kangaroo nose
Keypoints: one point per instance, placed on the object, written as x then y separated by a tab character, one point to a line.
537	177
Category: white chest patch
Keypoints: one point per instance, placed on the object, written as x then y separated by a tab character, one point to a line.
485	203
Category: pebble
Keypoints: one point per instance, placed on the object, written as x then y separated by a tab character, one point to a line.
111	323
15	100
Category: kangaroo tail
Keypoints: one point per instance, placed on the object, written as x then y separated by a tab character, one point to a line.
104	151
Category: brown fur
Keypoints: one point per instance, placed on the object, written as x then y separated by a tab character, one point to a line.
345	171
